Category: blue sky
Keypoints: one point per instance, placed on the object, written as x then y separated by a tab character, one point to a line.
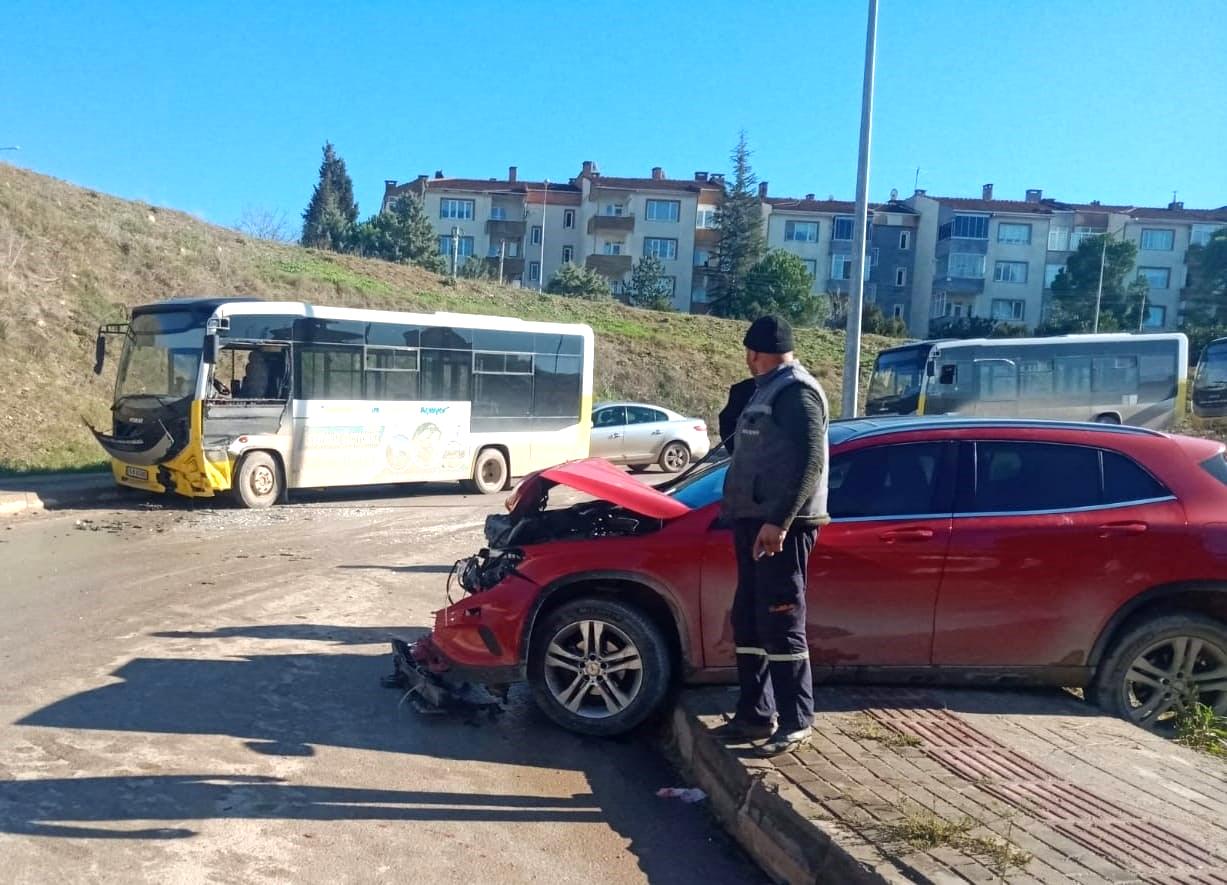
211	108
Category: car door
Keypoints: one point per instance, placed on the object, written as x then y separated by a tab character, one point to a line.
875	570
608	432
645	433
1048	539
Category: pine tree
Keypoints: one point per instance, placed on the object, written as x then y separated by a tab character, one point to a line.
647	286
403	234
329	218
742	244
578	282
780	284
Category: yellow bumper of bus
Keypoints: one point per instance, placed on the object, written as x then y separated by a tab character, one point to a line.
189	473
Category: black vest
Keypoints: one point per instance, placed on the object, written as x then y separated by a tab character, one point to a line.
766	460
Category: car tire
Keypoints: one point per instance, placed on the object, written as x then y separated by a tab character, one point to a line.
490	473
1145	676
675	457
1107	418
257	482
572	682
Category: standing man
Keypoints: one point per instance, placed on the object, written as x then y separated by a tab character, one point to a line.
775	494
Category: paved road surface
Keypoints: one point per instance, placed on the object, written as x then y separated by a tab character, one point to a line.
191	695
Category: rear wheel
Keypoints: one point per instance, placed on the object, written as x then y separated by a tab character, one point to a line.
257	483
599	667
1160	668
490	473
1107	418
675	458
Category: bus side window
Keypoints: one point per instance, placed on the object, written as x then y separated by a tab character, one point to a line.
949	375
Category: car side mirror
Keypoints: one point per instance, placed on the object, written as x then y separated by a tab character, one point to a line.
929	369
212	348
100	353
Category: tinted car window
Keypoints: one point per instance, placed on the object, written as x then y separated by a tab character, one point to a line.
1123	481
615	417
1014	477
891	480
641	415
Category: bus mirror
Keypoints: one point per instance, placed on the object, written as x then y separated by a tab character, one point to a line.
929	369
947	376
100	353
213	349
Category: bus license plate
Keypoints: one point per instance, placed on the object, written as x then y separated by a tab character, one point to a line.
137	473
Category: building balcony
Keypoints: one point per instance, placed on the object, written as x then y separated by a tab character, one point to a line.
599	224
706	237
500	229
612	266
512	267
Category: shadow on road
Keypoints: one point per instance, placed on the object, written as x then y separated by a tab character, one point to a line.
333	633
404	569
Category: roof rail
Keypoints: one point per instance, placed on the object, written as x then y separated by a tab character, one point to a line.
897	423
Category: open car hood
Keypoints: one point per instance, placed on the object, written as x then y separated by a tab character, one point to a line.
599	478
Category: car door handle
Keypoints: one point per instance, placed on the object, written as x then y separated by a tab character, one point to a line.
906	535
1110	529
615	436
657	432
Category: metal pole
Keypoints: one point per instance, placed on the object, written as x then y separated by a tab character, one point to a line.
545	200
502	256
856	294
455	248
1103	259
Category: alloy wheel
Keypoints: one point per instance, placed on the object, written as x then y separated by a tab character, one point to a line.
1172	674
675	458
593	669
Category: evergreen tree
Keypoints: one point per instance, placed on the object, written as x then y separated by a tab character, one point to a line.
403	234
742	244
478	268
329	218
648	287
1072	307
1206	298
780	284
578	282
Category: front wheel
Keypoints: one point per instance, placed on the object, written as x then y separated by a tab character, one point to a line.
599	667
490	473
675	458
257	483
1160	668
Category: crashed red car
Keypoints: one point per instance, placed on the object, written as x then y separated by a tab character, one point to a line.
960	551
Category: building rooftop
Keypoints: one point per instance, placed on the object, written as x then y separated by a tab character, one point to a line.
978	204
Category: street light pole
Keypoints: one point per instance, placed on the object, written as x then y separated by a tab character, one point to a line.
1103	260
852	347
455	248
545	200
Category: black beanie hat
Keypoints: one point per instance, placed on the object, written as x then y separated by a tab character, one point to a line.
769	334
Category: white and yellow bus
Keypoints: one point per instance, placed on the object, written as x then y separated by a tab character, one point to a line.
257	398
1110	378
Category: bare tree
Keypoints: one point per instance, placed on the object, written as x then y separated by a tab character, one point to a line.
265	224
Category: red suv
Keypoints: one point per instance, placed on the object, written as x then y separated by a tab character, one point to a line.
960	551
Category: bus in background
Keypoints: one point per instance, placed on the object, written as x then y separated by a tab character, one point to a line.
256	398
1210	381
1112	379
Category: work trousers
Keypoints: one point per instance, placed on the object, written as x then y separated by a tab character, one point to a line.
769	629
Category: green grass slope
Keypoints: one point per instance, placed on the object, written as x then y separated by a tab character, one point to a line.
72	258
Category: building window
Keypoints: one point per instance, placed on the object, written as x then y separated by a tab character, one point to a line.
801	231
1156	317
464	247
534	270
937	308
612	248
841	267
699	296
1158	239
498	213
1010	272
905	240
963	265
811	267
701	257
568	218
613	209
1009	310
706	218
568	254
897	311
1058	239
1050	273
1157	277
535	237
969	227
1202	233
461	209
663	210
1014	234
841	228
662	247
1082	233
668	286
900	276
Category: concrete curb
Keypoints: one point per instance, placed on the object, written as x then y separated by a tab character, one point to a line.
762	810
57	491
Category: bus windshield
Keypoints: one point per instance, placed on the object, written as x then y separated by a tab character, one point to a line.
161	356
1212	370
896	377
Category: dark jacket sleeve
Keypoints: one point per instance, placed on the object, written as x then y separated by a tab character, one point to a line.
798	411
739	396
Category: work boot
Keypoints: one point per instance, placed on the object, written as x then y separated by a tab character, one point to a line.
738	731
785	742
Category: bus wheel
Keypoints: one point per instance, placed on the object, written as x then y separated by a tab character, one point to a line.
258	482
1107	418
490	473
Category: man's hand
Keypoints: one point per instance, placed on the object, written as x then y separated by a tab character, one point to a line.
770	541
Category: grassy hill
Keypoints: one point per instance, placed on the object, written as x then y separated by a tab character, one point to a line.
72	258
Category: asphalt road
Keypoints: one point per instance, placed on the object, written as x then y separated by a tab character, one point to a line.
192	694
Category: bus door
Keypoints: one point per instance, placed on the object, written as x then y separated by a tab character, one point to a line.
996	388
248	395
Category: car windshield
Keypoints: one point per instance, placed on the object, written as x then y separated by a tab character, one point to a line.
161	356
1213	367
704	486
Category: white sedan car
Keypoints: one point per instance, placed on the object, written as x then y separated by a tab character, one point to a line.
641	435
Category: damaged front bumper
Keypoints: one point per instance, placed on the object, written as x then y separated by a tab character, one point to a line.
433	686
